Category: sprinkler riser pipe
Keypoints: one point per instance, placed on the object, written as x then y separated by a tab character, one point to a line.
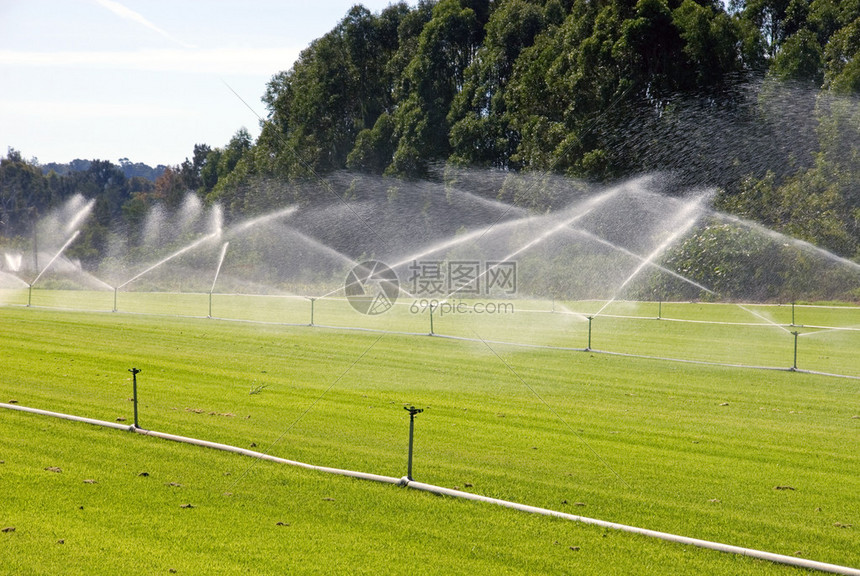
590	318
412	412
794	367
134	393
411	435
134	373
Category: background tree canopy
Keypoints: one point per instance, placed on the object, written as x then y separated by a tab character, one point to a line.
758	98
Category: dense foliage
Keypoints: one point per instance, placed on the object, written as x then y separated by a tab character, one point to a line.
757	98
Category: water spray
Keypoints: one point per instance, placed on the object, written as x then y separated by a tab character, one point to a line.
783	239
412	412
582	210
260	220
217	272
683	213
81	214
632	254
179	252
57	255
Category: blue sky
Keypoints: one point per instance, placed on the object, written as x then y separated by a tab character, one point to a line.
145	79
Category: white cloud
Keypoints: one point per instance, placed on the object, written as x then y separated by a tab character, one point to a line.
82	110
128	14
250	61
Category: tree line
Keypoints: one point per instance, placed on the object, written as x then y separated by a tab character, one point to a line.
758	98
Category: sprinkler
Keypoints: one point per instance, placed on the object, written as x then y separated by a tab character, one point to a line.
48	265
431	319
795	350
412	412
114	298
660	309
590	318
134	373
312	309
792	314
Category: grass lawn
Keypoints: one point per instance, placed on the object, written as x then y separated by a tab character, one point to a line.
762	459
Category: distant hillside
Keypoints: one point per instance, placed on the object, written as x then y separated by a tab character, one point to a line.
129	169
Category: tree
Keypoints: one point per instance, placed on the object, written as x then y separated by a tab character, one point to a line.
23	194
481	134
190	170
801	58
169	188
435	75
842	60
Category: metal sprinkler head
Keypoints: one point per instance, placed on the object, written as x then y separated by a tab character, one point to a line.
413	410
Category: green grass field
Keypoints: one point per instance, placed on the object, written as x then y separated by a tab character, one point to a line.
755	458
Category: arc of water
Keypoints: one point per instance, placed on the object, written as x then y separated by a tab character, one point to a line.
623	250
80	215
179	252
4	274
779	237
768	320
683	229
826	330
248	224
590	205
457	240
243	227
57	255
328	249
220	262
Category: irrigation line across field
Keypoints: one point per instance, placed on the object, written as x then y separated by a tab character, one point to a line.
560	312
567	312
526	345
439	490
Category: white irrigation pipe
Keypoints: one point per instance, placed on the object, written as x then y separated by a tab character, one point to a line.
104	423
433	489
205	444
752	553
